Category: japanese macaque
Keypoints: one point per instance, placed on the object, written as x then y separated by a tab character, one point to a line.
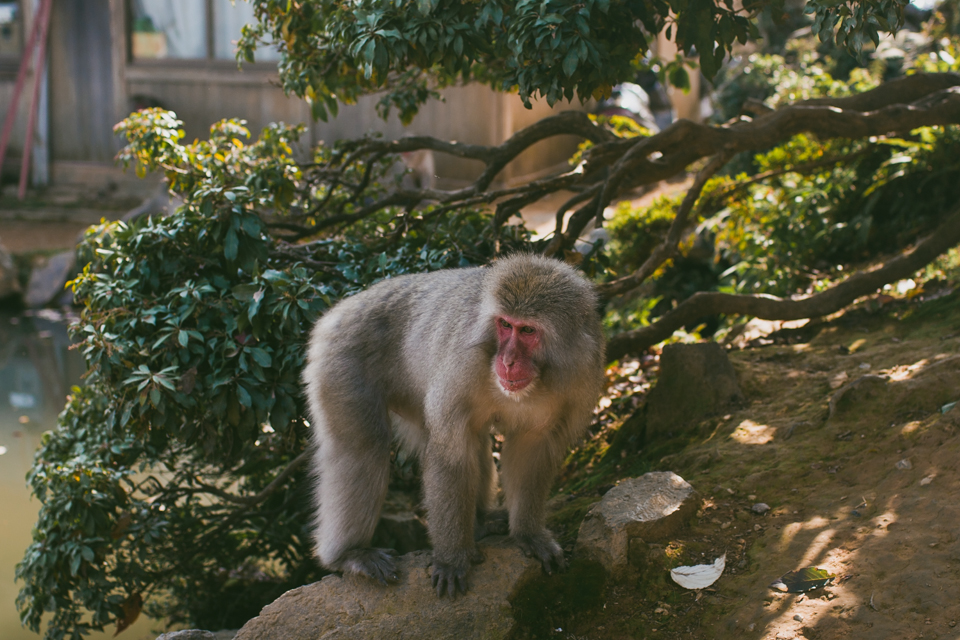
436	361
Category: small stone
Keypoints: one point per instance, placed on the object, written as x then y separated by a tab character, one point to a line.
904	464
757	527
751	626
725	525
760	508
798	618
926	481
751	497
651	507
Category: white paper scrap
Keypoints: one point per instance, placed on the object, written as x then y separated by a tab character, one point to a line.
700	576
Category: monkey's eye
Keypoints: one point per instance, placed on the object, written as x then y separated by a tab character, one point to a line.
505	324
527	330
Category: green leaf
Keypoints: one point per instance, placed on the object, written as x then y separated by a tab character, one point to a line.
802	580
570	62
230	245
243	396
262	357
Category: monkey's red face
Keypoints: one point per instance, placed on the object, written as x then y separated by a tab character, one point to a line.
517	341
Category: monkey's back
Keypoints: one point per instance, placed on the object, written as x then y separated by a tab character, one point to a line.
394	337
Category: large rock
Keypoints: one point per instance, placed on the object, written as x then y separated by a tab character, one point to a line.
695	380
9	285
648	509
198	634
48	278
357	607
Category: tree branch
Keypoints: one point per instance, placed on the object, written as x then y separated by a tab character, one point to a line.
709	303
269	490
668	248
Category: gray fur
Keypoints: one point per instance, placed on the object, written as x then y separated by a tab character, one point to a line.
415	354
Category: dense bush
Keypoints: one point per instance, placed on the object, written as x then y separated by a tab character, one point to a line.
154	485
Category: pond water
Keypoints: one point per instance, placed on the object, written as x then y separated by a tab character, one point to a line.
37	369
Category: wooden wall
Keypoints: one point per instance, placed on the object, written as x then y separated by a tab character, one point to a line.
93	82
81	82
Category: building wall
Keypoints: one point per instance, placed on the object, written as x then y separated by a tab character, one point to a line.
81	82
94	84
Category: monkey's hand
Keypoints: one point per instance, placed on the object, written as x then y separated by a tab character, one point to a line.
376	563
543	547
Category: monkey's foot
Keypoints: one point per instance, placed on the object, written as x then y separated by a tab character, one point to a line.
376	563
491	523
450	577
544	548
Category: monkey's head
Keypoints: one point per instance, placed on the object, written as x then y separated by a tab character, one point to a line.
541	311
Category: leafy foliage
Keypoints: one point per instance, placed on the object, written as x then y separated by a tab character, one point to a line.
334	52
156	484
823	207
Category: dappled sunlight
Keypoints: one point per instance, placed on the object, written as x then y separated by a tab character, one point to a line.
871	579
791	530
819	543
910	427
749	432
903	372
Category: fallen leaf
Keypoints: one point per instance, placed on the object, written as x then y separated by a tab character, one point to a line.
131	611
802	580
699	576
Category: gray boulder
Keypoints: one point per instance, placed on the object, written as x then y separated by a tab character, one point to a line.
48	278
198	634
635	513
356	607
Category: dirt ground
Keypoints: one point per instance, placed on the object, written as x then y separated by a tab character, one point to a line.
844	435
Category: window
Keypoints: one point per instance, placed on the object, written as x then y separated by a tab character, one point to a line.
190	30
11	30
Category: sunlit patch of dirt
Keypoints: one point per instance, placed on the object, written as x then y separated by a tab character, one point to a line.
869	490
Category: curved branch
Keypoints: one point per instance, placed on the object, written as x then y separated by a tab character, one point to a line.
269	490
668	248
768	307
897	91
660	156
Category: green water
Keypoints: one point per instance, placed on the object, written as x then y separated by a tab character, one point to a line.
37	369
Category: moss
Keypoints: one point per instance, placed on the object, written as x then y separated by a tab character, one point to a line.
548	602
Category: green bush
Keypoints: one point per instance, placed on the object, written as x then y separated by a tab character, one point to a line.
154	485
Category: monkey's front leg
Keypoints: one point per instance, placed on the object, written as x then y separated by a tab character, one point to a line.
528	464
450	482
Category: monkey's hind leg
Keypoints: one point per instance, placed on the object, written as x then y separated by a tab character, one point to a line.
353	469
490	521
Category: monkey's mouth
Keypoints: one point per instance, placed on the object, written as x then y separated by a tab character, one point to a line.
513	386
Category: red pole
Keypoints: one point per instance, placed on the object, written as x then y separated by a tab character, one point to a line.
32	114
21	78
